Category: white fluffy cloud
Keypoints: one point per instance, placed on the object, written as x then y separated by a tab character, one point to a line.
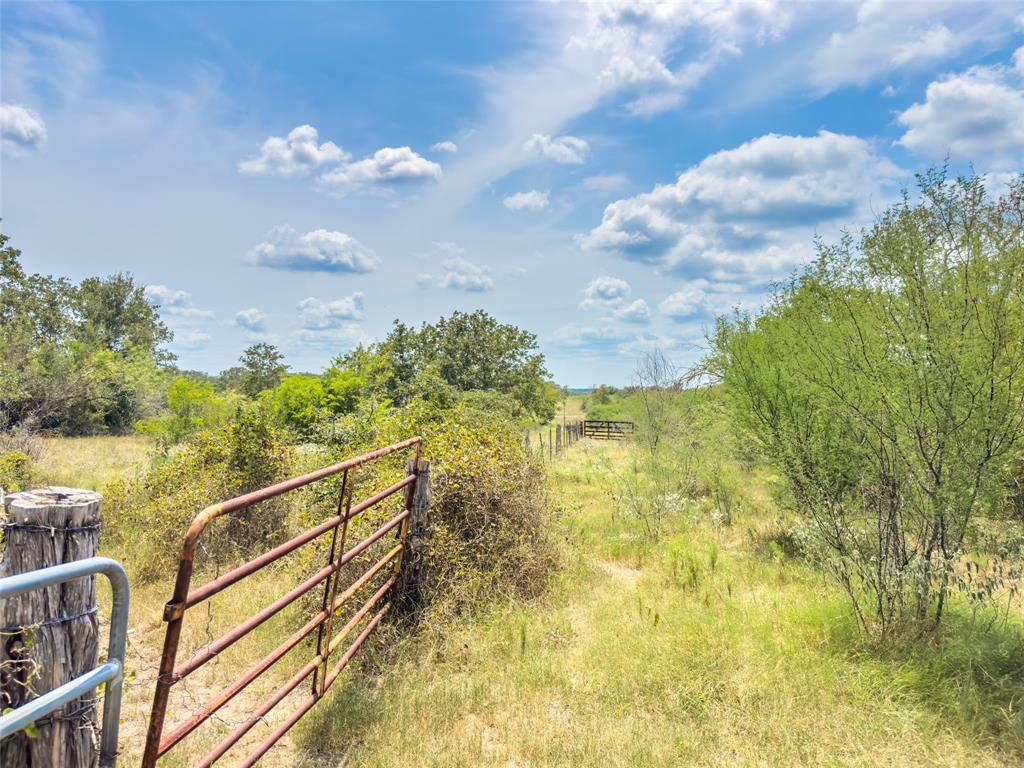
175	304
445	146
635	312
609	294
321	250
250	319
298	154
702	297
301	154
462	275
686	301
390	165
162	296
882	38
320	315
534	200
561	149
751	210
604	291
21	129
976	115
637	44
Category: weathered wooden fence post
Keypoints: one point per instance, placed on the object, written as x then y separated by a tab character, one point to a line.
558	438
49	636
417	502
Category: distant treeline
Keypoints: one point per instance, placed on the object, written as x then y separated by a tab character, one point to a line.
92	358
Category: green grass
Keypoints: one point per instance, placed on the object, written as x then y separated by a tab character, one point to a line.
704	648
695	650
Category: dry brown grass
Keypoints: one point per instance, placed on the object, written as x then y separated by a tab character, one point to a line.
641	654
646	654
89	462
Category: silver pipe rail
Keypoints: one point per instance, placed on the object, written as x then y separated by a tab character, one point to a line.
110	672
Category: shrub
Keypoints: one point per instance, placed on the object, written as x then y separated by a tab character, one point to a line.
149	516
491	535
884	382
191	406
15	471
297	402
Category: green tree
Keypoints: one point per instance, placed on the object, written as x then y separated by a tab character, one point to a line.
192	406
342	387
887	382
114	314
465	352
263	368
298	402
80	358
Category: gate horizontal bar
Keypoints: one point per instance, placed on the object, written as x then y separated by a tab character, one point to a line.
282	729
254	672
230	638
214	511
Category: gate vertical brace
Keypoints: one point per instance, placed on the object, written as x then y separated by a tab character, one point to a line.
331	586
174	615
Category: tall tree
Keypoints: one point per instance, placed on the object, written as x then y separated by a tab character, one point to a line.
114	313
264	366
82	358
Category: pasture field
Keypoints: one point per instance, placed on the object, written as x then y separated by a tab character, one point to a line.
709	647
713	645
89	462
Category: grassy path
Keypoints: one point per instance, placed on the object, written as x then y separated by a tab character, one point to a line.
701	649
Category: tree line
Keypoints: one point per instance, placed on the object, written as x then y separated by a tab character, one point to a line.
92	358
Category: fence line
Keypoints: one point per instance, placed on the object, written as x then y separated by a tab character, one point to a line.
553	439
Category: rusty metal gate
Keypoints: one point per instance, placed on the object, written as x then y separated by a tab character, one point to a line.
187	597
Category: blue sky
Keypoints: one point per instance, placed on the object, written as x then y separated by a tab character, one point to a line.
609	176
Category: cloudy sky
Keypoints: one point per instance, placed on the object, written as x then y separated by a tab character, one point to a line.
609	176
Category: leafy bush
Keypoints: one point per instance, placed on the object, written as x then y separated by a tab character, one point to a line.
491	535
192	406
15	471
297	402
148	517
885	383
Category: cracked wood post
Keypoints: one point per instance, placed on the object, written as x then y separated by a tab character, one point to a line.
413	571
50	635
